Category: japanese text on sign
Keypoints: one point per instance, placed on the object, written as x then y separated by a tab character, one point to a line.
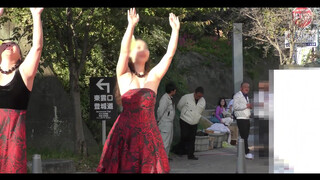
102	101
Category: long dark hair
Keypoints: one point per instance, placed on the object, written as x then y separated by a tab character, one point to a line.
225	102
132	70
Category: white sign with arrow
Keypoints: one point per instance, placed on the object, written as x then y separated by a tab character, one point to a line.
100	84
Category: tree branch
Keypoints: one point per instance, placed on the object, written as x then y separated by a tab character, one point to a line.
70	45
58	34
85	43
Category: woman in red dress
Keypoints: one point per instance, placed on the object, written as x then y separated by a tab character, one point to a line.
134	144
16	81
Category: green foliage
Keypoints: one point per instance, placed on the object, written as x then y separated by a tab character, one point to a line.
208	46
102	29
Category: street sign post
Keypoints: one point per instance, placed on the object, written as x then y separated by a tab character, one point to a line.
102	101
305	38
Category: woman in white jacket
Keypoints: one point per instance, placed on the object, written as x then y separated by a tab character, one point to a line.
190	107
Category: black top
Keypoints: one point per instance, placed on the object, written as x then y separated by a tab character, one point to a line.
14	95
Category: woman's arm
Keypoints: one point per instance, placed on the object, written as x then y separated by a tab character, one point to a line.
218	112
1	47
30	65
122	65
162	67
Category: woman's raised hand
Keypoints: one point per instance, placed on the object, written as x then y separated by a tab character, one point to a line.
1	11
36	11
174	22
133	17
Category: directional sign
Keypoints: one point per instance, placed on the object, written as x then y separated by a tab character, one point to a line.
102	100
100	85
304	38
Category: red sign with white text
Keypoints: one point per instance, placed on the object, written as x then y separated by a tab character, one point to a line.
302	17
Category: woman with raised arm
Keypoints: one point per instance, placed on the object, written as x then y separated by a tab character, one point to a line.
134	144
16	81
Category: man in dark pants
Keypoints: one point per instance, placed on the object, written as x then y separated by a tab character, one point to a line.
242	111
261	114
190	106
188	137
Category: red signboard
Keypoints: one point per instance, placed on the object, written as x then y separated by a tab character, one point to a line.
302	17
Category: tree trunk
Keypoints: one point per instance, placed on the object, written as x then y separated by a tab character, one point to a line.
291	52
80	145
282	59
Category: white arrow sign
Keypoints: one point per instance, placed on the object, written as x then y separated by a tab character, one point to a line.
100	84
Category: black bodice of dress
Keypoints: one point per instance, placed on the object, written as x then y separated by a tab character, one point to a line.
14	95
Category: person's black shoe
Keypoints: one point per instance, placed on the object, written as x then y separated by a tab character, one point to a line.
193	158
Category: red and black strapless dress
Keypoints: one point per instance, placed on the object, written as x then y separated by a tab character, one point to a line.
14	99
134	144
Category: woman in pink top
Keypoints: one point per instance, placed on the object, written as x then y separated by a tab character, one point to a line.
219	117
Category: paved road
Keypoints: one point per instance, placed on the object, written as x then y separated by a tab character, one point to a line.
218	160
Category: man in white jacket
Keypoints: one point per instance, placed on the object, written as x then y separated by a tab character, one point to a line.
242	112
190	107
165	116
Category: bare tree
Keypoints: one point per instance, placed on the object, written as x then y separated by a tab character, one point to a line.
268	26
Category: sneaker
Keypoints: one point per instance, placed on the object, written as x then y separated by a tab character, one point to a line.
249	156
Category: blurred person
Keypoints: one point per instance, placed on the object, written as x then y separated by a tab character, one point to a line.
261	114
234	129
134	143
16	83
230	106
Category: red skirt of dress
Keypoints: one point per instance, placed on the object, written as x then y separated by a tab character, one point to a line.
13	154
134	144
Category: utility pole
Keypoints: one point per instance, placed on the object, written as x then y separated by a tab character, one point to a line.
237	52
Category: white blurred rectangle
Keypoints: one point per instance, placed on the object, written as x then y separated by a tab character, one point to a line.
295	119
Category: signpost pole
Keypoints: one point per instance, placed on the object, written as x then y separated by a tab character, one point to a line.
317	29
104	131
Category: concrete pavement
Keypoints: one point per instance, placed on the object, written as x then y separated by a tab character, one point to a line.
219	160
